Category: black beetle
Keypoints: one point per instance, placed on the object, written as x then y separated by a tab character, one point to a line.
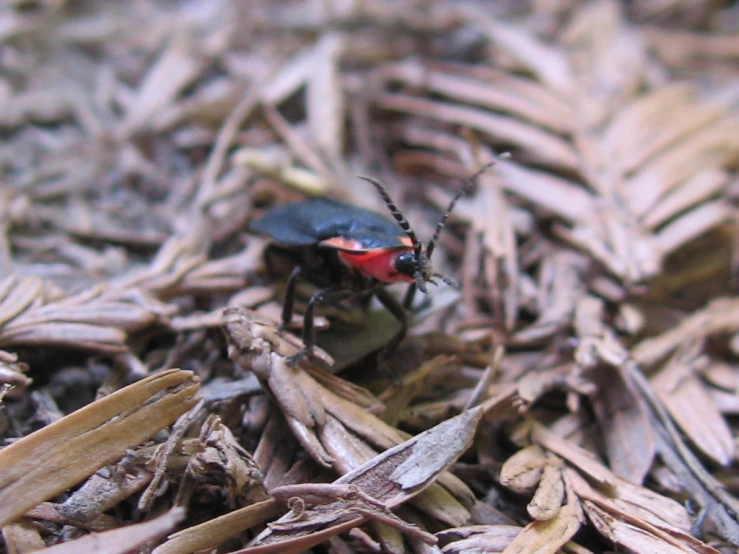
348	251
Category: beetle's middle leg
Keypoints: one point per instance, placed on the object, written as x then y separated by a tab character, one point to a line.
289	302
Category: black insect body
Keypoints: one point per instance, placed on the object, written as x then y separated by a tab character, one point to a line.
348	251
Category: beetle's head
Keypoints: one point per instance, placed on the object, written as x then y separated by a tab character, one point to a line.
419	269
416	263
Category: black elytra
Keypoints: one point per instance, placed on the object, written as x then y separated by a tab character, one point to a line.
347	251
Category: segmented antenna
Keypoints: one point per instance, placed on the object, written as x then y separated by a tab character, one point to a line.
417	246
461	191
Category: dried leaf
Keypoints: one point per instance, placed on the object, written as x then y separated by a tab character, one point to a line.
79	444
524	469
625	426
691	407
548	536
213	532
478	538
387	480
639	538
175	69
548	147
721	315
122	540
549	495
324	97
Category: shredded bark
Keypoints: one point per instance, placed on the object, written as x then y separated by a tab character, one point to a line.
577	393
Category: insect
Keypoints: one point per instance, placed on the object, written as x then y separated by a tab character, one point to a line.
348	251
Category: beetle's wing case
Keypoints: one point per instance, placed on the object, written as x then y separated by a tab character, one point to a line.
321	219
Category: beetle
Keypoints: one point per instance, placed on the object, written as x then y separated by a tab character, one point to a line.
348	251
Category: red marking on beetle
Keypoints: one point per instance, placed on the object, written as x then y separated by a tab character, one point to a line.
353	245
378	264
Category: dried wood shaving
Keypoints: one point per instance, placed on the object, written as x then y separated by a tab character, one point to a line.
575	395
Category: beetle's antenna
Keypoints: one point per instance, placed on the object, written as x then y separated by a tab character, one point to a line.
417	246
460	192
448	280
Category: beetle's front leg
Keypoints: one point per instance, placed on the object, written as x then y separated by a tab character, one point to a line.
395	308
309	333
409	296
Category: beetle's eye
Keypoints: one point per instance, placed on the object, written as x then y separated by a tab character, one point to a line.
406	264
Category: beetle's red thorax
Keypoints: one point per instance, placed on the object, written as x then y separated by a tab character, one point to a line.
378	263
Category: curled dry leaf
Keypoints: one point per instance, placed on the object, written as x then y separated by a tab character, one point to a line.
531	468
370	490
522	471
344	500
222	460
549	495
547	536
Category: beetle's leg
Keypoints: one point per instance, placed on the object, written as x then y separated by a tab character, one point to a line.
309	332
289	304
409	295
395	308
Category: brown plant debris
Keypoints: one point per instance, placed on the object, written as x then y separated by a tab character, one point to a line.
578	393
